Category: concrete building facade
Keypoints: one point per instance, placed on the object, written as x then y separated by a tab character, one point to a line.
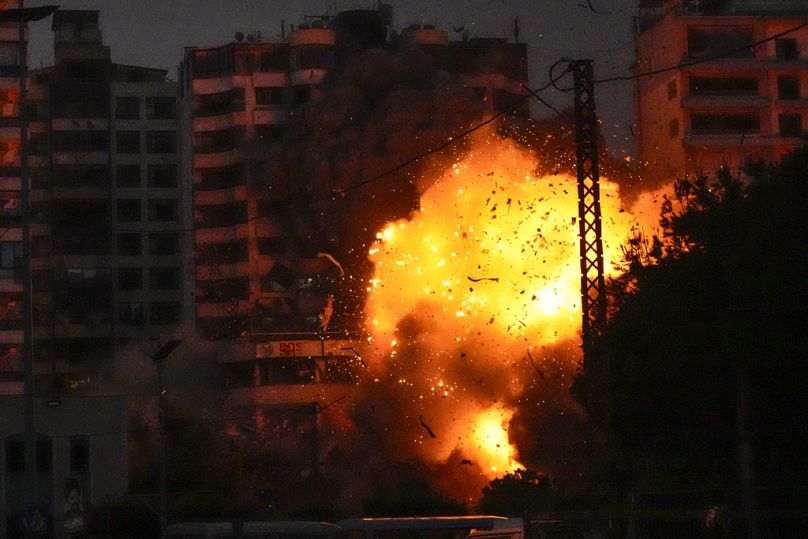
237	99
109	232
81	463
11	289
737	90
259	293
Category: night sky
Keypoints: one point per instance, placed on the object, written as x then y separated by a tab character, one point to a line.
152	33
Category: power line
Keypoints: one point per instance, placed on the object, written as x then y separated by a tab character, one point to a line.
553	82
702	60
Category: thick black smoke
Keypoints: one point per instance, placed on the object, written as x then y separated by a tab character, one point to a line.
379	112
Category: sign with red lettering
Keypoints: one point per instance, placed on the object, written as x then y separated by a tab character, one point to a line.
310	348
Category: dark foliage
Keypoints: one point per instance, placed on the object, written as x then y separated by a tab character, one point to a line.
517	494
723	292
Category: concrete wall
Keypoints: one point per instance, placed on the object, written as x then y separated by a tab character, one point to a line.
99	419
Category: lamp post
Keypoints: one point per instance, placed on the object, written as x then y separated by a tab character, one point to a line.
159	360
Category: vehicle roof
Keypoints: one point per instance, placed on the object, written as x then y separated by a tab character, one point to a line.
193	527
292	526
422	523
282	526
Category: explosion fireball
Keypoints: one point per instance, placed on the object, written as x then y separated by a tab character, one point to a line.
484	274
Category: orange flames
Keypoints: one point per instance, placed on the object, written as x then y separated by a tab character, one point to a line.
483	273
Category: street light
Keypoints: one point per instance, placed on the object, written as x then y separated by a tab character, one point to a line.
159	360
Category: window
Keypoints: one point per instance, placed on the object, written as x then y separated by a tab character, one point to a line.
222	253
269	96
128	209
131	313
11	313
81	226
15	456
162	176
274	57
212	62
164	278
163	243
673	128
161	141
127	175
786	49
788	88
127	142
80	141
672	89
164	312
221	177
10	259
72	176
311	57
130	278
9	203
213	104
790	125
723	86
710	41
717	123
127	108
79	455
129	244
39	144
279	279
44	455
217	215
163	209
161	108
222	140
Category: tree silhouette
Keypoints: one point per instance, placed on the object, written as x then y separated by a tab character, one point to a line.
707	316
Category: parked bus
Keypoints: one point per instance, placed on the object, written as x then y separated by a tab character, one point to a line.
253	530
421	527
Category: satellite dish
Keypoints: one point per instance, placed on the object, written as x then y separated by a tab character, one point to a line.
239	36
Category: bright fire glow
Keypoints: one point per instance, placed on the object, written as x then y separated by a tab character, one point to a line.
486	270
490	438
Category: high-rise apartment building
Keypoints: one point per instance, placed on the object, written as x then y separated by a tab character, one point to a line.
237	98
108	225
11	289
258	291
736	88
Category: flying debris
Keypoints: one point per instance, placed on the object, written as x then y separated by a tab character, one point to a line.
426	427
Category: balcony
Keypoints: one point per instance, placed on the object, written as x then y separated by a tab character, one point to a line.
725	102
216	85
731	139
218	159
270	116
308	76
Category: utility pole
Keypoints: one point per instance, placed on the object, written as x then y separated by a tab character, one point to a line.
159	358
593	283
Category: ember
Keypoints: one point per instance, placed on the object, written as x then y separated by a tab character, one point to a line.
485	271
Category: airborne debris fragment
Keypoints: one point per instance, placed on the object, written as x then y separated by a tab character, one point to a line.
426	427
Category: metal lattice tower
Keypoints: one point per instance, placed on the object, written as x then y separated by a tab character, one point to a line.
593	283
